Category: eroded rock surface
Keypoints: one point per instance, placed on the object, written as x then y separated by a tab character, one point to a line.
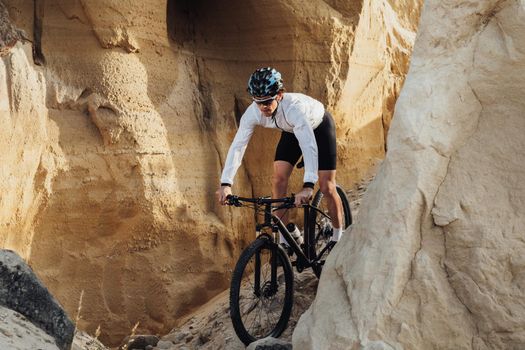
435	260
9	34
116	124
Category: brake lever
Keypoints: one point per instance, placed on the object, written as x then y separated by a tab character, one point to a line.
292	202
233	200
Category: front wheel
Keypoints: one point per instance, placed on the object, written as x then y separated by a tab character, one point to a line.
261	291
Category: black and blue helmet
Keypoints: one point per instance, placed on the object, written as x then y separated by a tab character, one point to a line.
265	82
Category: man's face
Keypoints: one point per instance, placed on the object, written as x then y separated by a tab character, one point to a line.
268	104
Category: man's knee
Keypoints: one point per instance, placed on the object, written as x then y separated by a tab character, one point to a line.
280	180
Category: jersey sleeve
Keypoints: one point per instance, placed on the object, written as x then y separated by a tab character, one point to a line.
305	135
238	147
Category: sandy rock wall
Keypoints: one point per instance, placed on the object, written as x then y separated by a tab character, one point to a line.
28	162
366	93
111	226
435	260
118	119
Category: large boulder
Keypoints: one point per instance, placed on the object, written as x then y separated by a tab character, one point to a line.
18	333
436	257
23	292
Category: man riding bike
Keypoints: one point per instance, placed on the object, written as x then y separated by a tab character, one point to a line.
307	129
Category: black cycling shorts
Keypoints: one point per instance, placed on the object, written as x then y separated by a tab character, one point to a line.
288	147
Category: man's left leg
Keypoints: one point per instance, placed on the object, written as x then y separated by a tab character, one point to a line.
335	207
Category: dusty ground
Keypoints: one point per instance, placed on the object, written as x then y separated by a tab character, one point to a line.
210	328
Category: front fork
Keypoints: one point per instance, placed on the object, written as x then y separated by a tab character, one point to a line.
270	288
273	280
257	275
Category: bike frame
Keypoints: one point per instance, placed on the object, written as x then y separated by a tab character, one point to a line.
306	257
262	285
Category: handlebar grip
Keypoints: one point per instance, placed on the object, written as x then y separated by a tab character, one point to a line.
233	200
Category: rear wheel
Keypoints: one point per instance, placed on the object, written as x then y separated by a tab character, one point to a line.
261	292
321	225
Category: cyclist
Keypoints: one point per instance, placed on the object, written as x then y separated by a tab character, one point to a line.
306	128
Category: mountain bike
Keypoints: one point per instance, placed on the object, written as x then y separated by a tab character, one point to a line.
261	291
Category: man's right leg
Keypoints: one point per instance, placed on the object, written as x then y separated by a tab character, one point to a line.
287	153
282	170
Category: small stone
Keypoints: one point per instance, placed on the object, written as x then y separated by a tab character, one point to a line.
140	342
205	336
163	344
6	332
269	344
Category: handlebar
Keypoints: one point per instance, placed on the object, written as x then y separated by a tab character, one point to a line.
287	202
236	201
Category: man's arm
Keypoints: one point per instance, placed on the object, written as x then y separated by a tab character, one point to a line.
306	137
237	149
235	155
308	144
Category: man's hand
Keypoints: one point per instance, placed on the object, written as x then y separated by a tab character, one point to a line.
222	193
303	197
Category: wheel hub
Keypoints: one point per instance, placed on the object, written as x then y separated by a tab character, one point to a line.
268	290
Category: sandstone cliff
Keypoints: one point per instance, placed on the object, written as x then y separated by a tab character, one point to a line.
117	118
436	259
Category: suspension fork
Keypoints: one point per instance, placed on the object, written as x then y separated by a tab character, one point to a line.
257	288
273	280
274	252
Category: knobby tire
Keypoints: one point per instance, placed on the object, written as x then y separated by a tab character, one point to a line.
243	294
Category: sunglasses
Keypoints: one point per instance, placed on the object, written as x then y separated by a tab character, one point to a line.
265	102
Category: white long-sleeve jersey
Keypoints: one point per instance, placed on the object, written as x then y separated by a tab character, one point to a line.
296	113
